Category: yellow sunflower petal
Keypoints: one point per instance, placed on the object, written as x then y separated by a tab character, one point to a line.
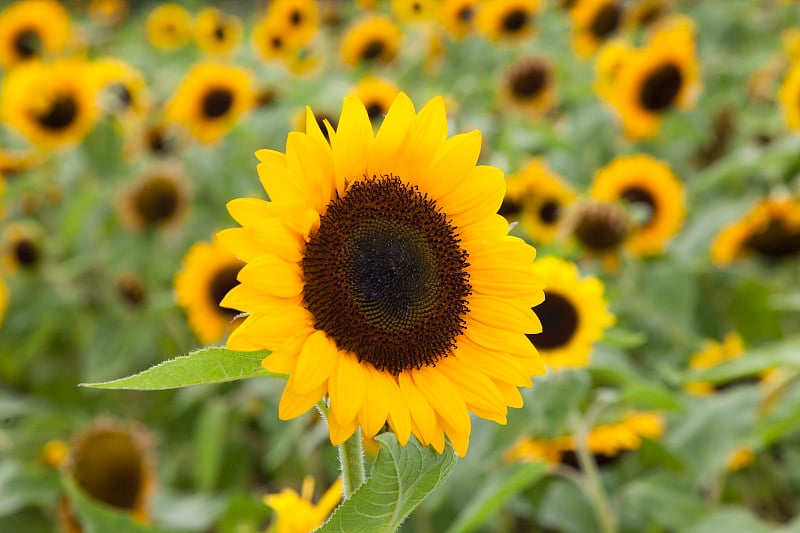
347	384
444	397
340	431
422	414
273	275
294	404
456	158
503	314
247	211
391	135
353	141
373	415
477	197
317	360
427	133
311	165
242	243
399	417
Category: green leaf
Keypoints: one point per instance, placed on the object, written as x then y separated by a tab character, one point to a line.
401	478
497	491
210	437
647	395
210	365
731	520
96	517
785	352
664	500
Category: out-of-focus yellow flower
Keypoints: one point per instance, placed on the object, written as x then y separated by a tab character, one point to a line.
295	512
32	29
216	32
168	26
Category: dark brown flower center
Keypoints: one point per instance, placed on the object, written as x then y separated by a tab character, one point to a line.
601	227
26	253
385	276
295	18
373	50
277	43
510	208
375	110
776	241
529	79
219	32
743	380
221	283
60	115
122	94
550	212
641	197
661	87
131	290
109	466
515	20
157	200
606	21
27	43
465	14
559	322
217	102
321	118
570	458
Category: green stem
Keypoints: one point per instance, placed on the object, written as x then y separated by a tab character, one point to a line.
592	482
351	461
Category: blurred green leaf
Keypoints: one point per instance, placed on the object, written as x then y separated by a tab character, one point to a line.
20	487
646	395
661	499
209	365
401	478
211	436
501	487
96	517
784	352
624	338
243	515
731	520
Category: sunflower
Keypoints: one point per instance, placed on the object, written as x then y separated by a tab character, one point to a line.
32	29
789	97
114	464
377	95
712	354
649	186
211	99
295	512
108	13
594	22
168	26
50	104
16	161
216	32
416	10
22	247
574	314
272	40
299	17
157	199
771	230
537	198
209	272
651	81
374	39
645	14
528	86
380	276
130	289
3	300
458	16
122	87
605	442
507	19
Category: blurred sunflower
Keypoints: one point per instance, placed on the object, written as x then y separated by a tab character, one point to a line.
32	29
211	99
528	86
507	20
606	442
645	14
377	96
3	300
712	354
374	39
114	464
650	81
50	103
295	512
650	188
216	32
123	91
300	18
130	289
108	13
416	10
22	246
458	16
594	22
789	97
156	199
209	272
536	198
600	228
574	314
380	276
272	40
168	26
771	230
16	161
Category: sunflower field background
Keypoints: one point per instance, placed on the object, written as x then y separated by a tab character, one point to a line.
651	157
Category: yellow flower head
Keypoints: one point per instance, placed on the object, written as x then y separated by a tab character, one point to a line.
381	277
108	13
771	230
32	29
713	354
594	22
649	186
122	87
295	512
211	99
209	272
458	16
536	198
156	199
168	26
377	95
51	104
21	246
789	97
507	20
528	86
374	39
574	314
216	32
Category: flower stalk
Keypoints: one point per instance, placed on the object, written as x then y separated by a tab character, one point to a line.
351	462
